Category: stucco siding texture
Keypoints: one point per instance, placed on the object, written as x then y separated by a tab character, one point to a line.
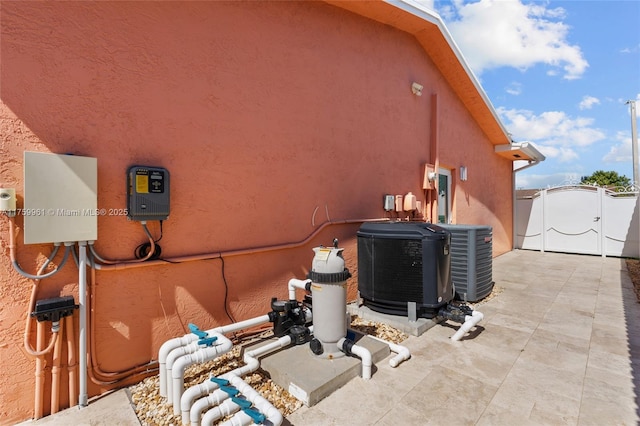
272	118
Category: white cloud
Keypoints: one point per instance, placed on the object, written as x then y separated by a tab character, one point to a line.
551	129
562	154
514	88
632	49
495	33
588	102
621	152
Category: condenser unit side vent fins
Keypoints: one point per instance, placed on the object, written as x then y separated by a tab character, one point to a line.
471	260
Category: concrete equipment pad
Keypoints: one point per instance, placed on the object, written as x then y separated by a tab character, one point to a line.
309	378
414	328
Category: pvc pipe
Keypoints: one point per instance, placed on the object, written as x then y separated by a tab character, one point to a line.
294	284
223	345
470	321
250	357
363	353
227	408
171	360
82	335
72	365
251	365
261	403
194	393
174	343
238	419
272	414
402	352
55	373
163	353
39	373
194	412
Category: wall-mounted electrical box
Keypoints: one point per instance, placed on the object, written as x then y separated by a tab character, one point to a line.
148	189
60	198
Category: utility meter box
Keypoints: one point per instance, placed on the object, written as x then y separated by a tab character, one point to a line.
60	198
148	189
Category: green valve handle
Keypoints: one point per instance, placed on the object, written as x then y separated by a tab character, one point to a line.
257	417
243	403
195	330
230	390
220	382
207	341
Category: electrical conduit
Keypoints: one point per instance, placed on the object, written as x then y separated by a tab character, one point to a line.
83	397
72	365
470	321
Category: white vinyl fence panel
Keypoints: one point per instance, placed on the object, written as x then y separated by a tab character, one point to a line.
579	219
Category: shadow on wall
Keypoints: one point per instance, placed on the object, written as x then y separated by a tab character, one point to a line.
631	246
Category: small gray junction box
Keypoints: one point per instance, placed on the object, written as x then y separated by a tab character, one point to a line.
148	189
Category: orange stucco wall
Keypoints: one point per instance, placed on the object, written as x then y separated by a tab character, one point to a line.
272	118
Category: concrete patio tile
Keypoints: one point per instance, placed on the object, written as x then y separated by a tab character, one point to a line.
550	341
403	414
611	362
476	366
571	323
515	322
607	399
541	377
306	416
604	341
448	394
365	400
533	308
551	409
496	415
404	377
559	358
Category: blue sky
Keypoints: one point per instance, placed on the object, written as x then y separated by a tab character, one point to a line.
558	73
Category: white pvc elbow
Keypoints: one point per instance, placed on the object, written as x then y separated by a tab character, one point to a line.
364	355
402	352
294	284
470	321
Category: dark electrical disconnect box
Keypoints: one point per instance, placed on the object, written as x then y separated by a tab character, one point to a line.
55	308
148	193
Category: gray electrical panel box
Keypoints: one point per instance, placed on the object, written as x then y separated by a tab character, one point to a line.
60	198
148	189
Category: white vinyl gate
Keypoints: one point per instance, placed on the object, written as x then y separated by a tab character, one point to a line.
579	219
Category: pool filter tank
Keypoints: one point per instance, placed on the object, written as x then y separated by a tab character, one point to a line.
329	295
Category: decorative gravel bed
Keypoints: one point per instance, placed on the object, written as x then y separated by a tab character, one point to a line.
152	409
